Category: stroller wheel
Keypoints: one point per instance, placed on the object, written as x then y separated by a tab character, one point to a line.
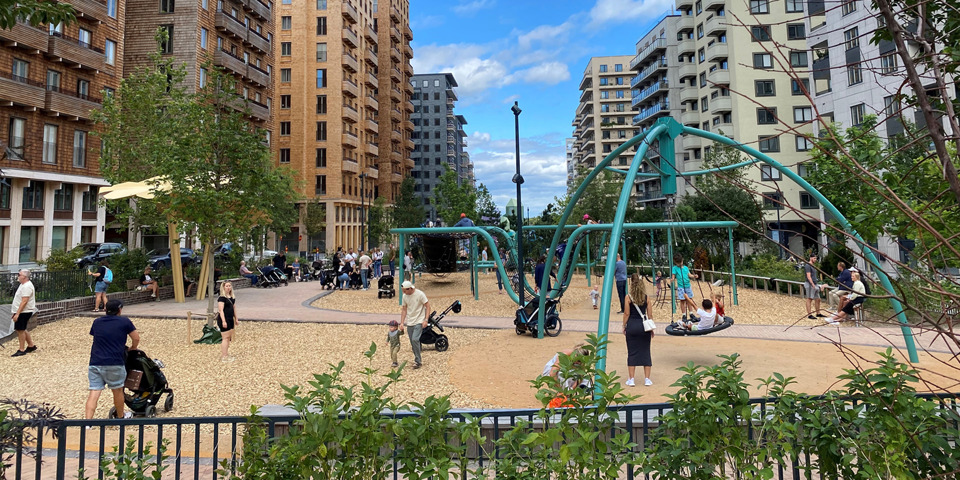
150	411
553	326
521	330
113	413
442	343
168	403
379	294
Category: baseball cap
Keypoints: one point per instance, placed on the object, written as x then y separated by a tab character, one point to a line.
586	217
406	284
463	215
393	323
854	269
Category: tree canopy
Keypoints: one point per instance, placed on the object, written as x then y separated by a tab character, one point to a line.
34	12
453	198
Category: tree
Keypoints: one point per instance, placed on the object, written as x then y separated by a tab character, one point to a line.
453	198
407	211
600	198
314	218
379	223
34	12
486	208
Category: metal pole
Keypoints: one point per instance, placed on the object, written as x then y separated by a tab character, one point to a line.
518	179
589	269
733	270
653	273
673	289
363	214
403	255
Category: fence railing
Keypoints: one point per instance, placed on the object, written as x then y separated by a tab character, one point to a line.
50	286
198	446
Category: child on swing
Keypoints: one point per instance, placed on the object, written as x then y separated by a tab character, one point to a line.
708	317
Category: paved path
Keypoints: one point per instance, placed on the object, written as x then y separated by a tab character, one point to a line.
292	304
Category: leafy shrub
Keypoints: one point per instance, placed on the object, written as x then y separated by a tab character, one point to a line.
18	420
130	464
127	266
63	260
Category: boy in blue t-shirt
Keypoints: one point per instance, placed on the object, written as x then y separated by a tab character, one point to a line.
680	278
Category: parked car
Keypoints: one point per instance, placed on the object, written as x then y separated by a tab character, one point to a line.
268	254
160	259
93	253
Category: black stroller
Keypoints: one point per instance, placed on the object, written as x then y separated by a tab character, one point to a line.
526	319
328	279
145	384
316	272
385	287
272	276
430	337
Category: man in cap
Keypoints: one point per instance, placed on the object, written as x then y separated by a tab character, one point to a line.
413	317
464	221
108	357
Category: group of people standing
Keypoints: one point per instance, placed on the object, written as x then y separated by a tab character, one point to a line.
359	266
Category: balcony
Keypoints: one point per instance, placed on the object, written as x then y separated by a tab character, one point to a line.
71	104
408	144
684	23
26	37
396	94
394	33
660	86
395	15
408	52
350	165
230	24
258	75
21	91
721	105
585	83
719	77
371	80
397	177
372	171
350	114
408	125
74	51
371	126
662	108
407	33
687	70
408	69
396	136
689	94
258	41
255	110
90	10
259	8
372	103
690	117
350	37
349	13
713	4
656	66
690	142
350	62
715	26
684	4
396	115
686	47
586	96
716	52
407	88
408	106
395	54
371	58
653	47
370	34
351	89
350	140
396	74
373	149
225	59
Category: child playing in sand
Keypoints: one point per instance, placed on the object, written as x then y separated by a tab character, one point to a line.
393	339
594	296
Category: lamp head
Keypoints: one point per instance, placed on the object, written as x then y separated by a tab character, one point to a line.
516	108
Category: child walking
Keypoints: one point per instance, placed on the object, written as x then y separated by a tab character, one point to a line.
393	338
594	296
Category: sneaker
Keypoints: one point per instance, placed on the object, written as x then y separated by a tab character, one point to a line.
31	349
417	365
227	359
647	382
19	353
831	321
630	382
820	315
395	365
811	317
128	414
153	295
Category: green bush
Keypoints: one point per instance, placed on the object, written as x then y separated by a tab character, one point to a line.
127	266
63	260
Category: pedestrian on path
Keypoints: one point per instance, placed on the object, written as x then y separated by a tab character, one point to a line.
104	277
108	357
392	260
811	286
620	275
413	317
226	319
23	307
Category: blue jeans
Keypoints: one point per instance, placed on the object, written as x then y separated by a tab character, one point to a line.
344	280
252	277
621	291
393	270
365	278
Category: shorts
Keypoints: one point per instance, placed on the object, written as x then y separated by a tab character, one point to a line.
684	292
100	287
106	376
811	291
22	320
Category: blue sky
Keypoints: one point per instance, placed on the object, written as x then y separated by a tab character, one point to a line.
531	51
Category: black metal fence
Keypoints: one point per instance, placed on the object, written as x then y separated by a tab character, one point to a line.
197	446
50	286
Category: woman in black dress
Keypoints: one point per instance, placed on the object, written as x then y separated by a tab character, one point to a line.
226	319
638	340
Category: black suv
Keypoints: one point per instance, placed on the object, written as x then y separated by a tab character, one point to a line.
94	252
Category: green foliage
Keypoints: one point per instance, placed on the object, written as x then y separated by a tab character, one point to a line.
19	419
130	464
768	265
486	207
407	211
63	260
454	197
35	12
314	218
600	198
379	223
127	266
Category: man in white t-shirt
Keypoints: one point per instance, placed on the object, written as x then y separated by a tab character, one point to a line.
365	262
413	317
23	307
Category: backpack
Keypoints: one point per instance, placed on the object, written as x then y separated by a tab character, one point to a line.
108	277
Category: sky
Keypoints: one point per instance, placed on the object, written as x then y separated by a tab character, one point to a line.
530	51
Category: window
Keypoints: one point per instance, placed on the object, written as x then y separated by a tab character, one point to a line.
798	59
53	80
112	8
50	144
796	31
284	75
321	104
21	70
33	196
848	7
285	48
85	37
802	114
321	52
891	105
321	131
284	129
15	140
203	77
804	144
703	104
762	60
205	4
770	144
321	158
321	187
772	201
807	202
699	7
321	77
286	22
203	38
618	67
166	6
321	25
800	88
794	6
700	31
284	155
603	69
108	92
55	29
110	51
854	74
888	63
63	197
760	33
436	83
166	45
287	2
759	7
857	112
285	102
851	38
79	148
765	88
766	116
701	55
321	4
88	201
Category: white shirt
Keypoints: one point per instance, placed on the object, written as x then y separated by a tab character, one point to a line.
25	290
415	305
707	318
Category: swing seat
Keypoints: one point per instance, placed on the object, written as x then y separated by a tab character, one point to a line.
677	329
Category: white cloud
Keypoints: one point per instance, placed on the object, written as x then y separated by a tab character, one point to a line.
511	99
427	21
475	75
549	73
470	8
605	12
542	163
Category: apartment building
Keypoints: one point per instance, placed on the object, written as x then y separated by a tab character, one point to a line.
602	120
571	163
51	80
438	137
344	115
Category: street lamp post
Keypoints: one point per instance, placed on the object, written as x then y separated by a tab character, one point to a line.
363	215
518	179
